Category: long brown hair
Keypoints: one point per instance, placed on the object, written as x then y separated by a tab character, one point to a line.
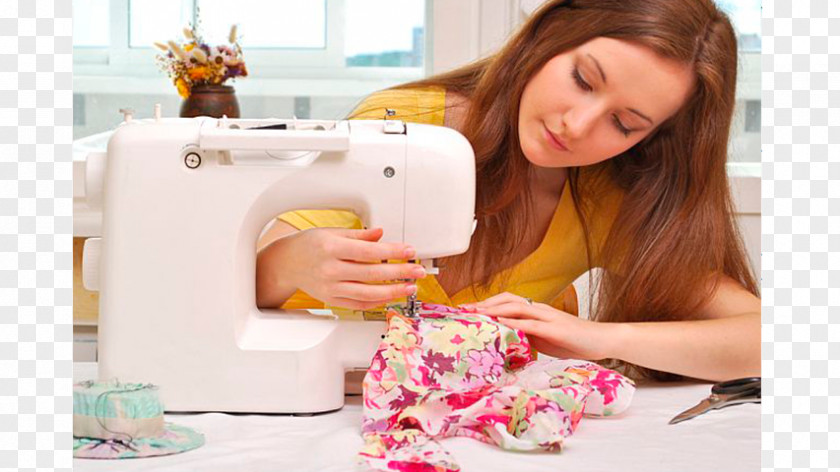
675	228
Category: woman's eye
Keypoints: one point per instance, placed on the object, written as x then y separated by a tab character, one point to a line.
581	83
620	126
585	86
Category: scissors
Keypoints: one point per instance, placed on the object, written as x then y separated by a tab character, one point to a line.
731	392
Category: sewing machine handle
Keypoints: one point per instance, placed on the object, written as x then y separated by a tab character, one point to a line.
228	139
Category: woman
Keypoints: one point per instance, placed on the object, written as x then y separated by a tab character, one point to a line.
600	133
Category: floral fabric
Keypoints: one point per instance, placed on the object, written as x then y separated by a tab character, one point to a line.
449	373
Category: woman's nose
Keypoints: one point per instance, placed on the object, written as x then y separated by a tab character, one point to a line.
578	121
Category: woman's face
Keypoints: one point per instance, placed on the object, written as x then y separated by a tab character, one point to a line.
596	101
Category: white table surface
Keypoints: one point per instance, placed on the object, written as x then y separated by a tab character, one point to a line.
638	440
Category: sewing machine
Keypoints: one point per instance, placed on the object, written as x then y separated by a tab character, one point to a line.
184	202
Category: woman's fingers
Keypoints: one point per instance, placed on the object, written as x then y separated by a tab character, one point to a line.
358	272
372	251
369	234
518	310
528	326
505	297
373	293
354	304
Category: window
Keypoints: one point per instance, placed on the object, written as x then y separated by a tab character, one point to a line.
330	36
384	33
309	59
95	12
269	25
156	20
746	18
745	140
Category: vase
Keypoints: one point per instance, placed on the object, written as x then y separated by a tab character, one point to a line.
211	100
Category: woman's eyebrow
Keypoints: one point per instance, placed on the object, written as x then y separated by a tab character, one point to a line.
604	78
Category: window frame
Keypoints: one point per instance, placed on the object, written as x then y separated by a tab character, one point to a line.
119	60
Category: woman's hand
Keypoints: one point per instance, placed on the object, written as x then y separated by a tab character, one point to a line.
551	331
338	266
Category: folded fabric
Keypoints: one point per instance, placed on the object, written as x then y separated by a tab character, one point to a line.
448	372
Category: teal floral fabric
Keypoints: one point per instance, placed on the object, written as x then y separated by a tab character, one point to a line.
125	420
175	439
449	372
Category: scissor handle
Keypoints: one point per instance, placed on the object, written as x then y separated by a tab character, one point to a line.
736	386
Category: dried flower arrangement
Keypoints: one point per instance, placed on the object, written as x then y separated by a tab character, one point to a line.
193	62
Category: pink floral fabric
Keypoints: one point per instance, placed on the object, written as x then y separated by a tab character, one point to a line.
450	373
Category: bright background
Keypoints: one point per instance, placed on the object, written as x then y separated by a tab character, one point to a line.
317	59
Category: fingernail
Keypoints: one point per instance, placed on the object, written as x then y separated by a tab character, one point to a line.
409	253
418	272
411	289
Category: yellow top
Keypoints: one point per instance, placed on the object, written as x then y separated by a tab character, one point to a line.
542	275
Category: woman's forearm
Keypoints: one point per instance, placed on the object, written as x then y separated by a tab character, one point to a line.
715	349
271	291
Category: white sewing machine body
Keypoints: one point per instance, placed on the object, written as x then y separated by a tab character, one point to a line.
184	202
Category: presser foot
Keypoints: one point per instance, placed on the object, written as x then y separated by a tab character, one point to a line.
413	306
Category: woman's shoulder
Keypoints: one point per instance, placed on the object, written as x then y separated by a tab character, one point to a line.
416	104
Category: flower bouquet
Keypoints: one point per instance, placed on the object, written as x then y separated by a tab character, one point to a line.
197	68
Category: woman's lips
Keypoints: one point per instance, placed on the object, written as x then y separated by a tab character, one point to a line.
553	141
